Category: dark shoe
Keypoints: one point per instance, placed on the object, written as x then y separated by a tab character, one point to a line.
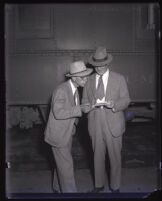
97	190
115	191
55	191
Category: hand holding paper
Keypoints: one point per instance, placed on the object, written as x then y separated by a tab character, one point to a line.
86	107
108	104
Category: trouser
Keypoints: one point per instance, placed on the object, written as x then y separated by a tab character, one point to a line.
102	139
64	168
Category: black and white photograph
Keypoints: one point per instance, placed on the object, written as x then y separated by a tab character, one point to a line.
82	100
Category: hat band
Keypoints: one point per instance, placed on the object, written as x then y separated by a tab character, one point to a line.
100	60
78	72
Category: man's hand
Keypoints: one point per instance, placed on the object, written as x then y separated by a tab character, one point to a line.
86	107
110	104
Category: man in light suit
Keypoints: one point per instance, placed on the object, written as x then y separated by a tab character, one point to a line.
65	109
106	96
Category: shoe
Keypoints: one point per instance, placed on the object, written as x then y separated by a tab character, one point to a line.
55	191
115	191
97	190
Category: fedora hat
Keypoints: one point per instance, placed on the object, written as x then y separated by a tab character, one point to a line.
78	69
100	57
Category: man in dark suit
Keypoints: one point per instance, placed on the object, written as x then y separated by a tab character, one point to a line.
106	96
65	109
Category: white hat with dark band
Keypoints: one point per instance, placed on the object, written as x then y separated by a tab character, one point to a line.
100	57
78	69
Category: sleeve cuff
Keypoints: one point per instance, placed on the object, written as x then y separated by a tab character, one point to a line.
78	111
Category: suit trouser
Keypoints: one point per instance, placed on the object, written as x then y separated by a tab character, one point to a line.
102	139
65	169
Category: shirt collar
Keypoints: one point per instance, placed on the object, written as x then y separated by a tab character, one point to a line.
104	75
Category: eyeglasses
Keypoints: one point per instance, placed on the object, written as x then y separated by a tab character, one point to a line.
85	77
100	66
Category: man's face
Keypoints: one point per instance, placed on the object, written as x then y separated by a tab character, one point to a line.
101	69
80	81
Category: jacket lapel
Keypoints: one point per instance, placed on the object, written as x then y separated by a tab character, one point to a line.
109	88
93	84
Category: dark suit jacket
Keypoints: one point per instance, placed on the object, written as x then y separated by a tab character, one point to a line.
118	92
63	114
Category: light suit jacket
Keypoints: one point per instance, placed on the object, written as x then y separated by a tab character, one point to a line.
63	113
117	91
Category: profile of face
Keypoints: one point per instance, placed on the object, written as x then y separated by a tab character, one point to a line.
101	69
79	81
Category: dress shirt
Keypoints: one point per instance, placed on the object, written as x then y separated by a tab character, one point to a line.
105	78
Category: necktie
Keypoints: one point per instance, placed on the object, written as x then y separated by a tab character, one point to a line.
76	97
100	88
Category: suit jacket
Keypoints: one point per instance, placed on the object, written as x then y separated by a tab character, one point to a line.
118	92
63	113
